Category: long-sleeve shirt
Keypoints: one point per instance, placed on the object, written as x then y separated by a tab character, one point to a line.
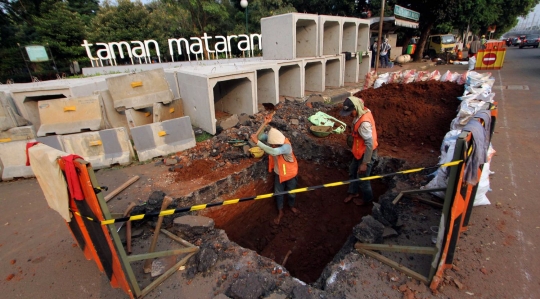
366	132
285	150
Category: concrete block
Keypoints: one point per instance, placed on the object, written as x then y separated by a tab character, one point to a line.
26	95
291	80
70	115
139	90
363	36
163	112
54	141
330	35
13	157
227	89
350	35
9	118
314	75
267	86
334	71
227	121
290	36
365	66
161	139
140	117
352	69
102	149
18	134
111	117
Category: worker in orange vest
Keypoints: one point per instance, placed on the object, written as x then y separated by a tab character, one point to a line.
282	161
364	149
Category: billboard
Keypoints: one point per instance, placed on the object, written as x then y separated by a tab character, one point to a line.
37	53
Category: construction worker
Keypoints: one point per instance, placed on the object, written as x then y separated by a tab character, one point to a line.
282	161
483	40
374	56
364	149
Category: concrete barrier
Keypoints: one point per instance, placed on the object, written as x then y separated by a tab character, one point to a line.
290	36
17	134
139	90
363	36
140	117
161	139
207	89
103	149
291	80
54	141
8	113
111	117
13	160
314	74
71	115
330	35
163	112
26	95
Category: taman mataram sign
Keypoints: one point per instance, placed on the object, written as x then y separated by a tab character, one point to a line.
177	46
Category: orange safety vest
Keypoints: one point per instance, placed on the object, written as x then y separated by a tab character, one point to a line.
287	170
359	146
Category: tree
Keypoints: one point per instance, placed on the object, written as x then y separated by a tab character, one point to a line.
87	9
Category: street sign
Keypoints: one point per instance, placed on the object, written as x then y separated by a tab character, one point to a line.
406	13
489	58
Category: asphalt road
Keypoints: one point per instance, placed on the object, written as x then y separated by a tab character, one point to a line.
497	257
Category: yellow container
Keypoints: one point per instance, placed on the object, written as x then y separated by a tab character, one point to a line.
256	152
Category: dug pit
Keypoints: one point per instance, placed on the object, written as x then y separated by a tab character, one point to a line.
411	120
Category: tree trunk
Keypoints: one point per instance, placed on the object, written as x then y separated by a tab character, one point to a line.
419	52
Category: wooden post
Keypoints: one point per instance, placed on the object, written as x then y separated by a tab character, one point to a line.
122	187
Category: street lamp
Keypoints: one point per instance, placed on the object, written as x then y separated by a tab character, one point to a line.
244	4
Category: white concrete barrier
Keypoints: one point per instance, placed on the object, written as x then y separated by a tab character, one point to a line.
352	69
54	141
13	160
163	112
330	35
139	90
290	36
161	139
350	35
70	115
17	134
8	113
111	117
140	117
102	149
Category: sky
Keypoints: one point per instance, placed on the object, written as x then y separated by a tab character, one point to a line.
532	18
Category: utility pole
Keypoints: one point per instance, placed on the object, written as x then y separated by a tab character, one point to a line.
379	39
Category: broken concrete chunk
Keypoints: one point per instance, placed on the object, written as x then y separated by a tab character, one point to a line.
389	232
170	161
250	286
377	214
206	259
369	231
244	119
388	210
229	122
191	226
295	122
159	266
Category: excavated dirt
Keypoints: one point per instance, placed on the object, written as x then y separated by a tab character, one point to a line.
411	120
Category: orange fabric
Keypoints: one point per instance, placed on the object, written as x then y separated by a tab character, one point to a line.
359	146
287	170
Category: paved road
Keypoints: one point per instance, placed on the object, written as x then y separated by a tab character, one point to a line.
497	257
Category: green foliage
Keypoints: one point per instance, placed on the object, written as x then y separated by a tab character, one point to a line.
204	136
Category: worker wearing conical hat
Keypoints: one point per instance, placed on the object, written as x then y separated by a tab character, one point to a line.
364	149
282	161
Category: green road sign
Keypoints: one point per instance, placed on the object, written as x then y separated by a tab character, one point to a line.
406	13
37	53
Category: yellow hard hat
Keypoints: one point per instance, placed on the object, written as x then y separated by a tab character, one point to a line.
483	36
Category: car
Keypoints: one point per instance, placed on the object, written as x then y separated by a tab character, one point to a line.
529	40
516	42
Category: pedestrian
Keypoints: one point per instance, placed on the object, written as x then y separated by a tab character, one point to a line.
364	149
483	40
374	53
474	46
282	161
385	48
